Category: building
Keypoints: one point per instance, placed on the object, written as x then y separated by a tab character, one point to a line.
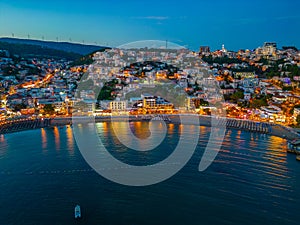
269	48
90	106
247	96
224	50
272	114
118	105
279	98
204	49
244	75
190	103
228	91
156	104
296	112
293	99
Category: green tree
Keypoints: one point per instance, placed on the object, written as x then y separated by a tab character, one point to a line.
298	120
49	109
287	88
237	95
18	107
257	103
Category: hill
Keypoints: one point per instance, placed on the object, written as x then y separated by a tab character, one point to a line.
26	50
62	46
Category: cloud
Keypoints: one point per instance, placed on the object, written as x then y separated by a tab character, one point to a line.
152	18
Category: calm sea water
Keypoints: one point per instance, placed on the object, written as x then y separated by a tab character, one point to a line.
43	175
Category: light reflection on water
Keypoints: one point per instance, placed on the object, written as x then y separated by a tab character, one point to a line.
44	139
252	181
70	140
57	138
3	145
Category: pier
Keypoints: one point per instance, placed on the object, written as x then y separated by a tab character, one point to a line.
246	125
15	125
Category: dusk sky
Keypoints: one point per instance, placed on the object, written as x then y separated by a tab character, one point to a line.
237	24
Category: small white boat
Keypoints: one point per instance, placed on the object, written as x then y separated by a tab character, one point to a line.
77	212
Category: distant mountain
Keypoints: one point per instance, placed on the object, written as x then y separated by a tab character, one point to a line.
62	46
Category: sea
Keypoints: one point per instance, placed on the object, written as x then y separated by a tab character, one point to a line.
43	175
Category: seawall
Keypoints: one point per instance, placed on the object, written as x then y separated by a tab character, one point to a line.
229	123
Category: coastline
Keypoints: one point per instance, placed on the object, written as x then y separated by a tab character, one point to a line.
230	123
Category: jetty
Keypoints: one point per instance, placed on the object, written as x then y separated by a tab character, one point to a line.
246	125
15	125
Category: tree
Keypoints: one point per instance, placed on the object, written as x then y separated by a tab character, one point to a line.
18	107
298	120
257	103
237	95
49	109
10	71
287	88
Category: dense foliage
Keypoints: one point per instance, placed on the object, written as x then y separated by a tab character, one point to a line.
220	60
85	60
25	50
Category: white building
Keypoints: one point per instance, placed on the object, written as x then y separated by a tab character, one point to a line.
247	96
272	114
269	48
118	105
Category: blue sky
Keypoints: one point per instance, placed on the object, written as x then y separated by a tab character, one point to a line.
237	24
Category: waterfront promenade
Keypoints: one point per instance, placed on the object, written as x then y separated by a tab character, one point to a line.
247	125
228	123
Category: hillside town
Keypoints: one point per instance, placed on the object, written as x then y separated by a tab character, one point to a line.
260	84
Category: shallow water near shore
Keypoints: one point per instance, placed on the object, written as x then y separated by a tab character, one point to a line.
43	176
